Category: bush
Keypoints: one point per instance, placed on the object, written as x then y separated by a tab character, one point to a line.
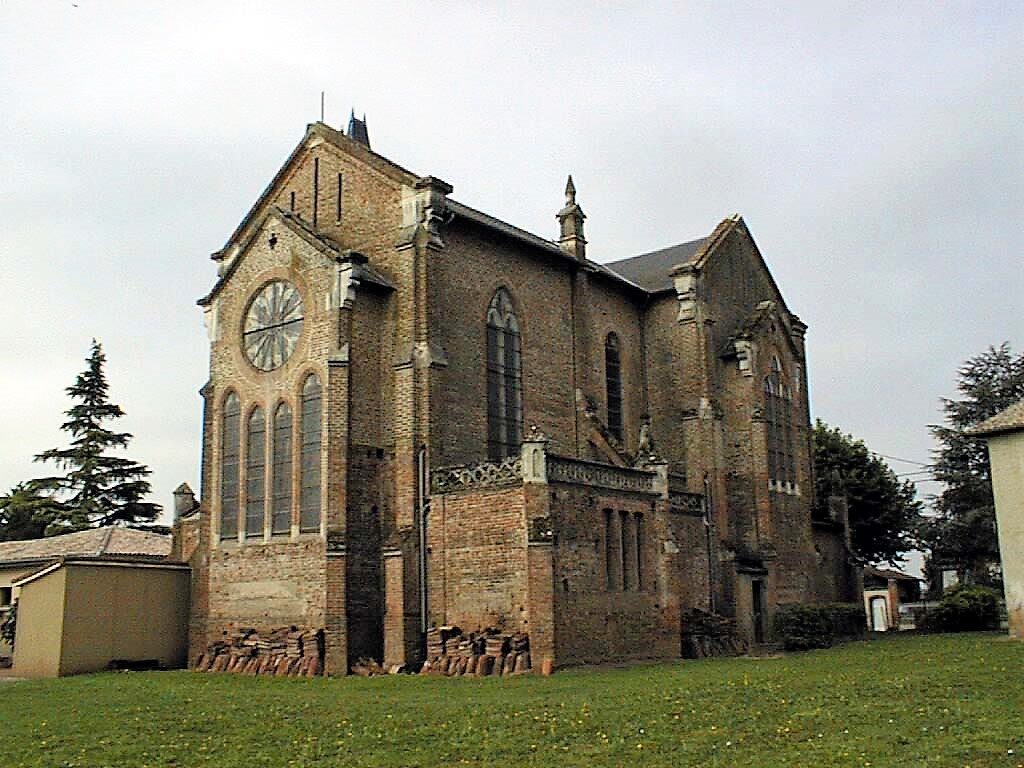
9	624
802	627
848	619
964	609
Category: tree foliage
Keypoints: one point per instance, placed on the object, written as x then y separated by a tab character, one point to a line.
97	488
883	510
25	513
962	532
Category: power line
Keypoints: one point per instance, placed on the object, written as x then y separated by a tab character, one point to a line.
905	461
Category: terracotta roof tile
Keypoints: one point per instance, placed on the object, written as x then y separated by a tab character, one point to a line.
110	540
1006	420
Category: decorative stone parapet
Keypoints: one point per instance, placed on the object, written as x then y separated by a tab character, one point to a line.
565	470
487	474
685	503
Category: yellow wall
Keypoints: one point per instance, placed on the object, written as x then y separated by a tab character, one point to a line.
124	612
40	626
81	616
1006	453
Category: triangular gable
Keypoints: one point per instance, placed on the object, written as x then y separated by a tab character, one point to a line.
316	240
734	225
317	134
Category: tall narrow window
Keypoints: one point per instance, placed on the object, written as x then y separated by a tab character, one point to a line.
779	425
309	502
610	554
316	188
625	544
281	515
504	379
229	450
337	208
638	530
613	384
255	473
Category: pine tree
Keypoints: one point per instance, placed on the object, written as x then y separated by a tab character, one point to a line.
962	533
97	488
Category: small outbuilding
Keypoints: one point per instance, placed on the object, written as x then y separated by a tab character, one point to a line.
1004	433
885	590
90	600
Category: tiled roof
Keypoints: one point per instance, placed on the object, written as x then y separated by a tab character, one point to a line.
887	573
110	540
651	270
1006	420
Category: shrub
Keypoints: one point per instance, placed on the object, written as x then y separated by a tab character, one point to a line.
964	609
802	627
9	624
848	619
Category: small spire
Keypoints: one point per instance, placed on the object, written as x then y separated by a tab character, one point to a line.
570	221
570	192
357	129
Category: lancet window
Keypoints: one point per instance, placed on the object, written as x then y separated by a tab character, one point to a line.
504	379
229	450
613	384
311	450
281	514
779	425
255	473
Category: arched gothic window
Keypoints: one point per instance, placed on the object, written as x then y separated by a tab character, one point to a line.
613	384
229	450
309	467
281	481
779	424
255	472
504	379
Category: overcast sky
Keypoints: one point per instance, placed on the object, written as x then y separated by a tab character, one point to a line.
875	151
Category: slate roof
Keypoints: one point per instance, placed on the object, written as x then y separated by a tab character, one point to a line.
651	270
510	230
109	540
1006	420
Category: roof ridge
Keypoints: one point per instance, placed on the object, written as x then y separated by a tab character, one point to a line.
105	541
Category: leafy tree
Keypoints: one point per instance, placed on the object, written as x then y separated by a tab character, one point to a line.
25	513
962	532
98	488
883	511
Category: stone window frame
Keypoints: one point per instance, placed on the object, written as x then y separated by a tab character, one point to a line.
778	419
228	522
255	473
310	458
504	376
282	469
613	385
624	567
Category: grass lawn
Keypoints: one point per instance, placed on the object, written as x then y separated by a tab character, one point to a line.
902	701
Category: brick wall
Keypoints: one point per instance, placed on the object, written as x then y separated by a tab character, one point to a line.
266	587
477	560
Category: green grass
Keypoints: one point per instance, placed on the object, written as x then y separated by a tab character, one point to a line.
903	701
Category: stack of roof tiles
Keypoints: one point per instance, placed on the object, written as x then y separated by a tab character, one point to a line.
284	652
480	654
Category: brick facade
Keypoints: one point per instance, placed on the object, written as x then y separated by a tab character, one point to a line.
598	562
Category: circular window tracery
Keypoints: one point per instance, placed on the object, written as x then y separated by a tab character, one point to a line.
273	325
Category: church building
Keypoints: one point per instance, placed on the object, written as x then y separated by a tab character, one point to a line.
419	415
